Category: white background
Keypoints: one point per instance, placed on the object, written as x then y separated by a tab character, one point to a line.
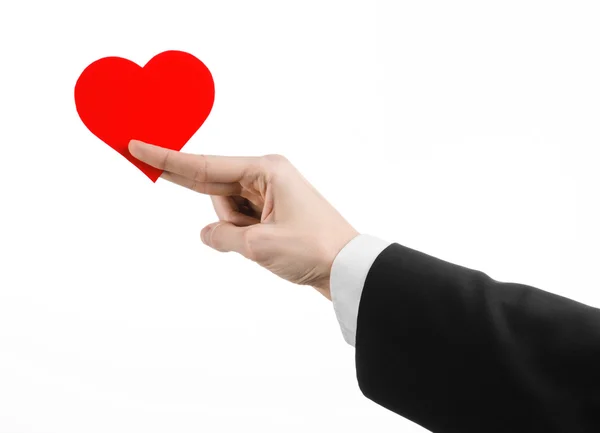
468	130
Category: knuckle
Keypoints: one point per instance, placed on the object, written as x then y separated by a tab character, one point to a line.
274	162
195	186
252	239
275	158
201	173
166	160
275	165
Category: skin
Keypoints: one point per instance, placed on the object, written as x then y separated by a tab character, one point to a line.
268	212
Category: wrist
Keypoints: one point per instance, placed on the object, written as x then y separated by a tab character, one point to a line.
323	284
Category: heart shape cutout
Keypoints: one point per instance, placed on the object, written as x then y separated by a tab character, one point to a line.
163	103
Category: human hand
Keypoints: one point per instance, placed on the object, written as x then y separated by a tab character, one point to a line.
268	212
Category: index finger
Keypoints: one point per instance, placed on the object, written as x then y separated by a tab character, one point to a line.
201	168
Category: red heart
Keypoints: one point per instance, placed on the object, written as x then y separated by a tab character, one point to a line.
163	103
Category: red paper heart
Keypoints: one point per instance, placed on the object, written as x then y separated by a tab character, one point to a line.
163	103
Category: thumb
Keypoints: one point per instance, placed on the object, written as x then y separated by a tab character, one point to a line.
224	236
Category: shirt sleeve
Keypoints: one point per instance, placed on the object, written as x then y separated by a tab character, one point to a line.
348	274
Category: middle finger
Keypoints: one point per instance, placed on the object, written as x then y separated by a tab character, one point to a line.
210	188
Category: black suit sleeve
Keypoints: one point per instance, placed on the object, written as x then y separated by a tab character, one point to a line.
456	351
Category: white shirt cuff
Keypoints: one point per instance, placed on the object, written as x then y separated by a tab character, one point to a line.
348	274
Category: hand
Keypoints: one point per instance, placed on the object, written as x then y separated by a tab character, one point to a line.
268	212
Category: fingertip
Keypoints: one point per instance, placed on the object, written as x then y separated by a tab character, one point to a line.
135	146
204	232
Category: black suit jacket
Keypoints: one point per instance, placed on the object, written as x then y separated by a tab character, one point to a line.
456	352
